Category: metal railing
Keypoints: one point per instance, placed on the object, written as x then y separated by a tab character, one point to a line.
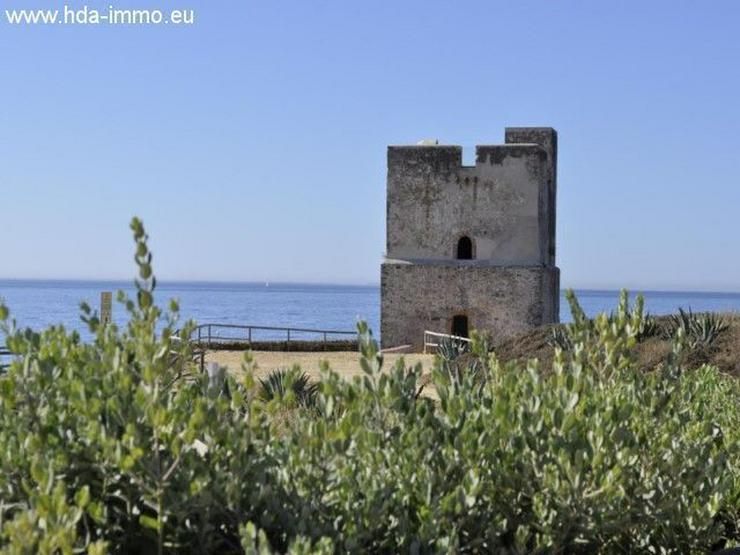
430	342
215	334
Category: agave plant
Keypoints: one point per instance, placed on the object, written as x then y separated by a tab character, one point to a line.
649	327
281	381
700	330
450	348
559	337
457	370
707	327
457	361
682	321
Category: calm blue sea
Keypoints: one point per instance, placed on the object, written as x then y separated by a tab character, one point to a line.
38	304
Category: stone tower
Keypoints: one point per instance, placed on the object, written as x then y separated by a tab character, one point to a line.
470	247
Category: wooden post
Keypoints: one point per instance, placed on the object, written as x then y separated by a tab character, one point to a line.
106	307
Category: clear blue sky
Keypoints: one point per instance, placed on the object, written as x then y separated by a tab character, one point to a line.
253	142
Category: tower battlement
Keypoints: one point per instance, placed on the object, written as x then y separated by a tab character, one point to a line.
517	142
498	213
448	158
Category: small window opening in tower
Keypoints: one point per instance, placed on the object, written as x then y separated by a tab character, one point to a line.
460	325
465	248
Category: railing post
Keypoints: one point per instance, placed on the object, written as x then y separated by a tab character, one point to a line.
325	341
249	335
288	335
209	335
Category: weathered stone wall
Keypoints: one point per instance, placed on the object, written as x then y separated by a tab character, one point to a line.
505	204
499	301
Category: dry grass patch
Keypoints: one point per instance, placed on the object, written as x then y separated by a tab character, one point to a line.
344	363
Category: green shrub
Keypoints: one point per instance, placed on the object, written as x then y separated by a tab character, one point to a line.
560	335
117	445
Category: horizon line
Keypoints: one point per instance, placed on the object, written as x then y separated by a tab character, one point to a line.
162	281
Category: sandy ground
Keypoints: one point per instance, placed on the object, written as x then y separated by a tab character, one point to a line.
345	364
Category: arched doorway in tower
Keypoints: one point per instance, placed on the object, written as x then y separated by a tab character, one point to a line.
460	325
464	248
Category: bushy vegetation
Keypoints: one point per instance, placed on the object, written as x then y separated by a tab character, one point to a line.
115	445
560	335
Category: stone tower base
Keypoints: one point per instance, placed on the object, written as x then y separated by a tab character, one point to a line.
503	301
